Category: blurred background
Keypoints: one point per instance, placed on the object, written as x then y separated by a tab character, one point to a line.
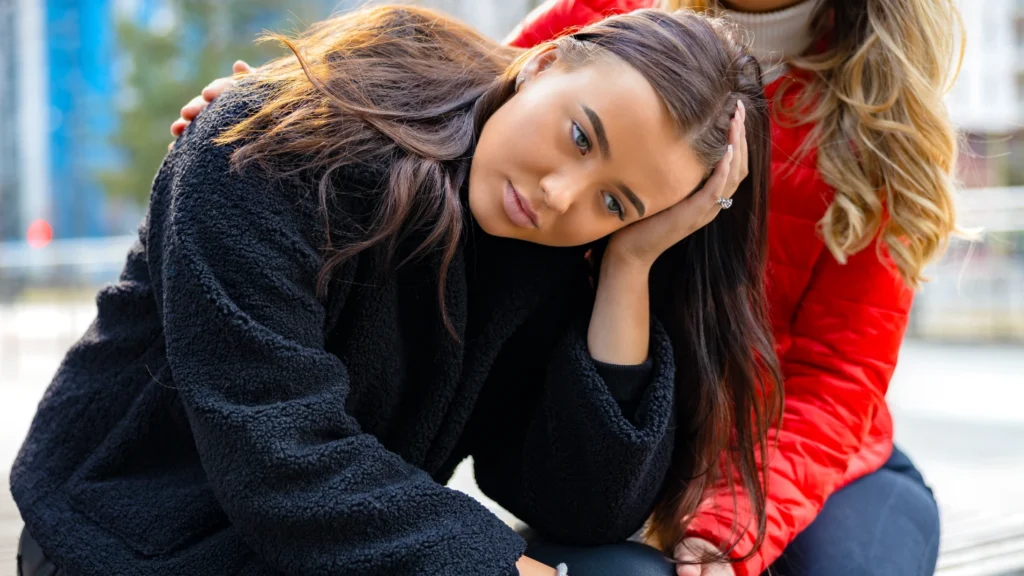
88	89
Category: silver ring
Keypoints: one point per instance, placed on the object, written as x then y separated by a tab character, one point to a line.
725	203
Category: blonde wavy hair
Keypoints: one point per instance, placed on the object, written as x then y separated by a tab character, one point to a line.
884	137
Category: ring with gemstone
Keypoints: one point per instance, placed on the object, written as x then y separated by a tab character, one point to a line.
725	203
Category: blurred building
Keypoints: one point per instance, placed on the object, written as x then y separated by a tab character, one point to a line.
58	90
57	56
977	292
495	19
987	102
986	97
80	44
9	172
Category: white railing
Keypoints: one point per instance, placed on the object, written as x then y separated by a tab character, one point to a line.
982	297
83	253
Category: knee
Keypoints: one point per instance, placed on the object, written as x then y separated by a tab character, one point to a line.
624	559
913	505
907	536
884	524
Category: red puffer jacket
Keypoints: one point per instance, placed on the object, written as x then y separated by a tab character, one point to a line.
838	330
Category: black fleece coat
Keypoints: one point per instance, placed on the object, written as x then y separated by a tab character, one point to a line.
219	417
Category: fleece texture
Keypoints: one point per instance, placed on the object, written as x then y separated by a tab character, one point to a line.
219	417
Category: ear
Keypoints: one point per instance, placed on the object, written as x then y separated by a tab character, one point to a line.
538	63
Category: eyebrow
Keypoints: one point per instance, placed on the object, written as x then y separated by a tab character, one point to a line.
633	198
602	143
602	136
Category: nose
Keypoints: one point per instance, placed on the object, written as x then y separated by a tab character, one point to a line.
561	191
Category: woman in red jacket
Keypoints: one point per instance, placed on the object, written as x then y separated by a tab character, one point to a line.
862	200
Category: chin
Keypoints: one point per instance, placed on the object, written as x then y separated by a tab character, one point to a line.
487	226
486	220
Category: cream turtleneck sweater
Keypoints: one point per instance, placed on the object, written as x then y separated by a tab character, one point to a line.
776	36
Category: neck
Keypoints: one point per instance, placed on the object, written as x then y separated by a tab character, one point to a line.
758	6
777	35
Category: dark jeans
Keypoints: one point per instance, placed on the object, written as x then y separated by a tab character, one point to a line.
885	524
32	561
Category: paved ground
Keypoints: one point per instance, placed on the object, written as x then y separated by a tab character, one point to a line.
958	414
957	408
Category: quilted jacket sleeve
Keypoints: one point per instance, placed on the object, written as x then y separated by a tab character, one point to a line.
846	335
556	17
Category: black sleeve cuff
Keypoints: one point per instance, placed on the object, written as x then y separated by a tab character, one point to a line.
626	383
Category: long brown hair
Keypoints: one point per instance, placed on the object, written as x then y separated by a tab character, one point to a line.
885	141
411	89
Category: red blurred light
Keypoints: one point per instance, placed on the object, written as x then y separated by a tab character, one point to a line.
39	234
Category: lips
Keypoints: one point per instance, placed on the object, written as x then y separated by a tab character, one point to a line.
518	208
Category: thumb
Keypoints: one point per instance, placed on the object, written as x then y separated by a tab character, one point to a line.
241	67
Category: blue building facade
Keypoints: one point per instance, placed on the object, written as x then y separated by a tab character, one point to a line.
10	170
51	156
80	44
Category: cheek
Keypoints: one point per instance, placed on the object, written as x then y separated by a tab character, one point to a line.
530	128
583	228
489	138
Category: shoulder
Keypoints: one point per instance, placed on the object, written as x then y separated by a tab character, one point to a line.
199	175
556	17
196	157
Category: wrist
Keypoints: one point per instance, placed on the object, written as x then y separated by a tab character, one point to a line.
619	331
622	262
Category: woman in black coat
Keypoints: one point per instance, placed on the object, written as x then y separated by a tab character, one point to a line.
402	247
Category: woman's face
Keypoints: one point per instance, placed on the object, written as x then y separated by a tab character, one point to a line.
578	153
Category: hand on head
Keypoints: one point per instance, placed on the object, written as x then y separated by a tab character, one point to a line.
647	239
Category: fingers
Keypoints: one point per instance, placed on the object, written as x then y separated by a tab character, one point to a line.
188	114
733	167
716	186
697	210
693	212
700	208
215	88
193	108
178	127
738	141
199	103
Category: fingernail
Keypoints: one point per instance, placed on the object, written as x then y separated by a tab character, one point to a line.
728	149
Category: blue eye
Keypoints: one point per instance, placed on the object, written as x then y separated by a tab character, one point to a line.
579	138
613	206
